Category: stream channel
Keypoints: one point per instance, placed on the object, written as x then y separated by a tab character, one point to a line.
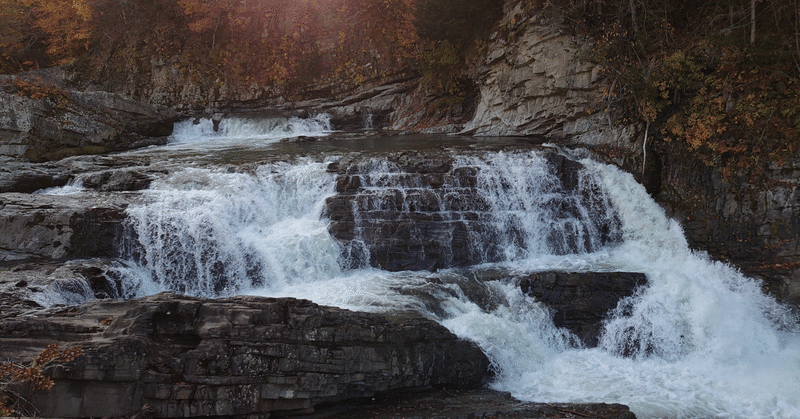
238	211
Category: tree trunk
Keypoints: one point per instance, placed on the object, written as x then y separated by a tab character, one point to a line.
752	22
633	18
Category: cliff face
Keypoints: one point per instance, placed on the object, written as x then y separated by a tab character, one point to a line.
535	81
41	121
754	225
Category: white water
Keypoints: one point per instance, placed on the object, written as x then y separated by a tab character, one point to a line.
257	128
71	188
213	233
705	341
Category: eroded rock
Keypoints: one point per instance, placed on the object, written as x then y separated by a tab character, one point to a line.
45	122
581	300
59	227
235	357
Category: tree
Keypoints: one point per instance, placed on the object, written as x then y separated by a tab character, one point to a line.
67	25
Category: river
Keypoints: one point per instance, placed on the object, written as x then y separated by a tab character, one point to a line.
245	214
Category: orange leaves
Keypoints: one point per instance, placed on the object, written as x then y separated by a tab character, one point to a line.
17	378
68	24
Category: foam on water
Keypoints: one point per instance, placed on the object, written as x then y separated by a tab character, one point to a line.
699	340
255	128
702	340
71	188
213	233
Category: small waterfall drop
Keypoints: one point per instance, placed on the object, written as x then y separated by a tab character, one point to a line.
211	233
265	128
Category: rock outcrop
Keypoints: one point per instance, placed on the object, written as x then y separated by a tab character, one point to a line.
534	82
235	357
755	226
45	122
470	405
581	300
422	211
37	226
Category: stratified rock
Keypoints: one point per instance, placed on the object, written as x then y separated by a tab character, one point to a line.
59	227
581	300
422	211
533	82
235	357
469	405
751	223
21	176
45	122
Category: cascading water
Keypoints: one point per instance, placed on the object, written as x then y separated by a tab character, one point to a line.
213	233
699	340
265	128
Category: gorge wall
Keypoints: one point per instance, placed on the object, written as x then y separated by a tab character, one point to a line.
535	81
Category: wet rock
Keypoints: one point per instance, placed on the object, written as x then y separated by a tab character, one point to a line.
59	227
235	357
751	223
419	211
21	176
28	286
581	300
118	180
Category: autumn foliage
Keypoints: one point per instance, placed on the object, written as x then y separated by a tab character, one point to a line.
18	381
720	77
262	41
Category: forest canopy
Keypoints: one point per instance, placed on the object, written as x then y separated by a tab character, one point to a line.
266	41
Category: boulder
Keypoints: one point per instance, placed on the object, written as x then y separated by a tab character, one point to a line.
234	357
581	300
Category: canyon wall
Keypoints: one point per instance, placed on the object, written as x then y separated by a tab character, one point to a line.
535	81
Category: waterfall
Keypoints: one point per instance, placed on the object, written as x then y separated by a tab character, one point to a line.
470	209
264	128
212	233
699	340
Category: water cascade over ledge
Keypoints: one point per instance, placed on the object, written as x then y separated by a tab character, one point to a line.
450	236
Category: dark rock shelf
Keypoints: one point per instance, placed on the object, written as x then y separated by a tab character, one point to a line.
235	357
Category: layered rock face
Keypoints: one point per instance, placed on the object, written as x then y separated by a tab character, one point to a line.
754	226
234	357
426	211
533	82
59	227
45	122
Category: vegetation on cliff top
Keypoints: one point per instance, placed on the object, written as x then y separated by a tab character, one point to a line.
719	76
267	42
